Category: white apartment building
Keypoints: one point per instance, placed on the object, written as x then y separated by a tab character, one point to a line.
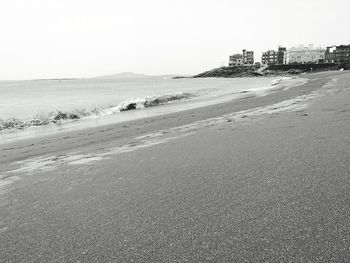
306	54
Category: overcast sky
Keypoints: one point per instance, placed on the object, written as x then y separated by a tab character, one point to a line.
84	38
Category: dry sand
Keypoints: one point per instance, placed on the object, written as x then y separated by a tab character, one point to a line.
259	179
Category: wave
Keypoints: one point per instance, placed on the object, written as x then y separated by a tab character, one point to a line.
58	116
134	104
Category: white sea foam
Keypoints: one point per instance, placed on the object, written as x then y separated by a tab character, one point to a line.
58	116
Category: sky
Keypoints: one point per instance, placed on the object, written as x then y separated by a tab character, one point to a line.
87	38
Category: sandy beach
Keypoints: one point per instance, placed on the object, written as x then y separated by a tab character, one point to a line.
253	180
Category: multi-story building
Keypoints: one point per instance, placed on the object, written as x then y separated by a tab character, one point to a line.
269	57
308	54
272	57
248	57
337	54
282	55
236	60
244	59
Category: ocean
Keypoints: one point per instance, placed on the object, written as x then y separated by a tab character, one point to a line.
46	106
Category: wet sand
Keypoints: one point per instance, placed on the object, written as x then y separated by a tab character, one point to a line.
259	179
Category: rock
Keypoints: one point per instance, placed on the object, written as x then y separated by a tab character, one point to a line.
130	106
230	72
73	116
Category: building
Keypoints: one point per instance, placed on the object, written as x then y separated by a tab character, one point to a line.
236	60
272	57
244	59
337	54
248	57
308	54
282	55
269	57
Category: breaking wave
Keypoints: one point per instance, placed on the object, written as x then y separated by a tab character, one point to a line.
12	124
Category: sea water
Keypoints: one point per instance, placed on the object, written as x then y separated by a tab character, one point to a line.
51	102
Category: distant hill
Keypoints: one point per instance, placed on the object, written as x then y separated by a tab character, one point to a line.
131	75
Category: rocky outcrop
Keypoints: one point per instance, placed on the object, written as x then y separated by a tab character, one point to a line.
243	72
230	72
270	71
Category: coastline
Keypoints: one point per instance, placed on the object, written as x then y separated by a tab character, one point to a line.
132	109
116	97
126	130
255	170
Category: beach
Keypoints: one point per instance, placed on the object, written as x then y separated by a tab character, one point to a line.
260	178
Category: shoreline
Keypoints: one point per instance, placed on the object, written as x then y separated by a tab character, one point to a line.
129	110
72	139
